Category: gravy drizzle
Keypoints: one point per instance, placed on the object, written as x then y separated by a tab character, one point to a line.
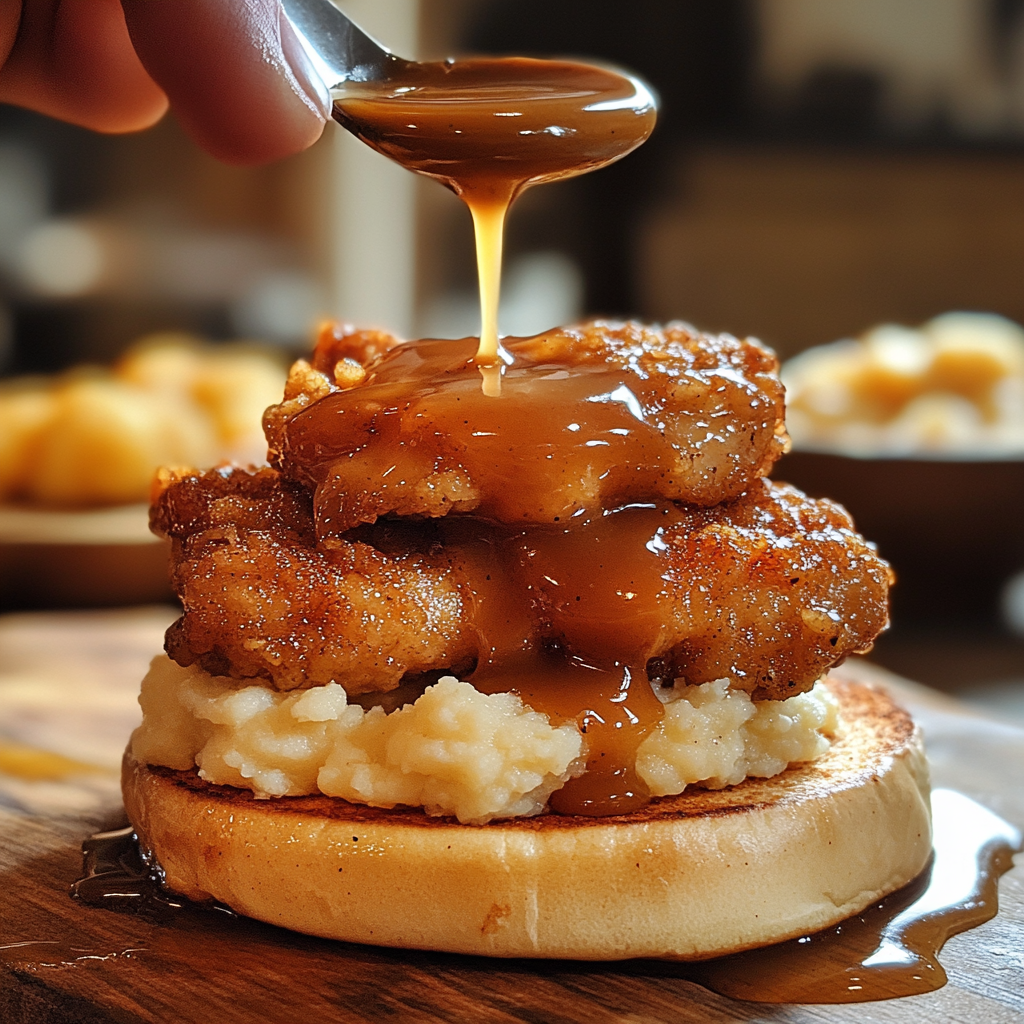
887	951
488	128
596	577
890	949
117	876
598	581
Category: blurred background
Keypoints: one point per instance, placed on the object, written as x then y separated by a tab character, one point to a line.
820	166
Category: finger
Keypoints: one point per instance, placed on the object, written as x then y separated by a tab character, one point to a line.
234	72
74	60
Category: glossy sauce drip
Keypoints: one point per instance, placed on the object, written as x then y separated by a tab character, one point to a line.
887	951
593	590
890	949
489	128
615	709
600	584
116	876
560	430
591	581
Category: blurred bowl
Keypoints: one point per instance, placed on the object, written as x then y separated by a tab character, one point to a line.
96	558
953	529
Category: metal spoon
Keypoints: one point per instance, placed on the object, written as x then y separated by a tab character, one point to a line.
339	50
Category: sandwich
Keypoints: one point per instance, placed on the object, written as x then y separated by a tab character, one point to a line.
541	675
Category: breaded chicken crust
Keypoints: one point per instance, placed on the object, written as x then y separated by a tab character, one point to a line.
778	589
261	600
596	414
770	590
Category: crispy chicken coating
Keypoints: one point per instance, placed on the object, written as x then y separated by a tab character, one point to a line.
261	600
589	417
769	590
777	589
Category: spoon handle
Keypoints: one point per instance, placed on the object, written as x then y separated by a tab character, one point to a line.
338	48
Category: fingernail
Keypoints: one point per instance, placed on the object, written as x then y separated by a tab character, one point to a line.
309	83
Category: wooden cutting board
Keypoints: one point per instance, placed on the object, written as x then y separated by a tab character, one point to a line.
61	961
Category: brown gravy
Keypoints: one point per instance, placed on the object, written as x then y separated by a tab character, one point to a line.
489	128
564	536
887	951
555	542
594	576
890	949
598	582
559	423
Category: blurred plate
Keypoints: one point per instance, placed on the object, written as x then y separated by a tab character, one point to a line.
72	559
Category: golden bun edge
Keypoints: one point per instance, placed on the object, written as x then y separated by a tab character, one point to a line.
689	877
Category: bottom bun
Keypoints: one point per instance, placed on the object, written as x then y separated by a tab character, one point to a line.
693	876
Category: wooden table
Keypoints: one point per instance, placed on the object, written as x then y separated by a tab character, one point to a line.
67	683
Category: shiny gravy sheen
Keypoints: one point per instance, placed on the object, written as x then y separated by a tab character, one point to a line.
599	572
887	951
489	128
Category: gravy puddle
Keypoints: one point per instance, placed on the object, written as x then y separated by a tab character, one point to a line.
887	951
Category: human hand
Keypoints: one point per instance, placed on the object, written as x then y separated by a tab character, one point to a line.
232	70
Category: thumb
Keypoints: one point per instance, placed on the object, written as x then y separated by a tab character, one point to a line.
234	72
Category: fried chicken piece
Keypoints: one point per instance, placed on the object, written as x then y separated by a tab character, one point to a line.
187	502
779	588
261	600
339	362
769	590
344	344
589	417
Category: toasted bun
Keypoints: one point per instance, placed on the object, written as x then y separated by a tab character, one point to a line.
693	876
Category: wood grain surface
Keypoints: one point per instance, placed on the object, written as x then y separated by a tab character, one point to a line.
61	961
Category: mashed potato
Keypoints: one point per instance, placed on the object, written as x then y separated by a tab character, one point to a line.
955	385
717	736
454	750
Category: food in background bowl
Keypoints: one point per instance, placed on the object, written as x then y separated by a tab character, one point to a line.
952	388
920	434
78	453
